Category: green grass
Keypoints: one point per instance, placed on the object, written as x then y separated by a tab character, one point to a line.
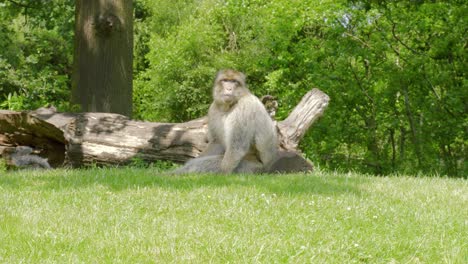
138	216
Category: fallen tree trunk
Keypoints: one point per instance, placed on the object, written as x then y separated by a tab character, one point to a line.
105	138
23	129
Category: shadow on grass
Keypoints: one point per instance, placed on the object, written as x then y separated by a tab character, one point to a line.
123	179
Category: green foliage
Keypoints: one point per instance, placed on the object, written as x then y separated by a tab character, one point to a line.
190	45
395	72
3	165
36	57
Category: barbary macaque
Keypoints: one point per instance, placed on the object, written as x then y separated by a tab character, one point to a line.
242	136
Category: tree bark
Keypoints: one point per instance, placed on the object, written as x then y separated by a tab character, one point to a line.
102	80
106	138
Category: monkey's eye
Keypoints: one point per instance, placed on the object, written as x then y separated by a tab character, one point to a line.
231	81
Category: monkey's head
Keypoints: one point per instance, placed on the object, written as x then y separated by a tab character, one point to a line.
229	87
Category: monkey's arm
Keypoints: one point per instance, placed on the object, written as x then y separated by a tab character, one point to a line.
213	148
239	139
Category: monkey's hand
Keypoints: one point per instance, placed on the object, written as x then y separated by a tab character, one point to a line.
230	162
213	148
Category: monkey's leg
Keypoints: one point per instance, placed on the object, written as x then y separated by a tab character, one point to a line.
266	140
207	164
267	157
247	167
212	164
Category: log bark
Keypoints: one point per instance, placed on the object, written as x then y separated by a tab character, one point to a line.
23	129
106	138
309	109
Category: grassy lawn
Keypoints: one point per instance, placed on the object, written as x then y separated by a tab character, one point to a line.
139	216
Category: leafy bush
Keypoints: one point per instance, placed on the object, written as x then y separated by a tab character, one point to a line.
35	65
394	71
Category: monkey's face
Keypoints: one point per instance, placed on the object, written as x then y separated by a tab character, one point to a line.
227	91
229	87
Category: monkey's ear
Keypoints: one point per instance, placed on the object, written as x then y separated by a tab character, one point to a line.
219	73
243	77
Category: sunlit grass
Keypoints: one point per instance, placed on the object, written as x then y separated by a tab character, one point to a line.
140	216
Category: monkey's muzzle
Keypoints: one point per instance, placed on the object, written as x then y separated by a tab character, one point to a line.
227	98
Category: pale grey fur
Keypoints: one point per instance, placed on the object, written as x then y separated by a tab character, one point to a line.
238	127
244	127
22	157
212	164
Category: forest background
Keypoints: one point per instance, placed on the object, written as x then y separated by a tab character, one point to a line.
395	70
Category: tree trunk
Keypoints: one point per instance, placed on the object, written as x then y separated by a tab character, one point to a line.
105	138
102	80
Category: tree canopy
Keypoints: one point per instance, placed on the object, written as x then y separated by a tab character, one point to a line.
395	70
